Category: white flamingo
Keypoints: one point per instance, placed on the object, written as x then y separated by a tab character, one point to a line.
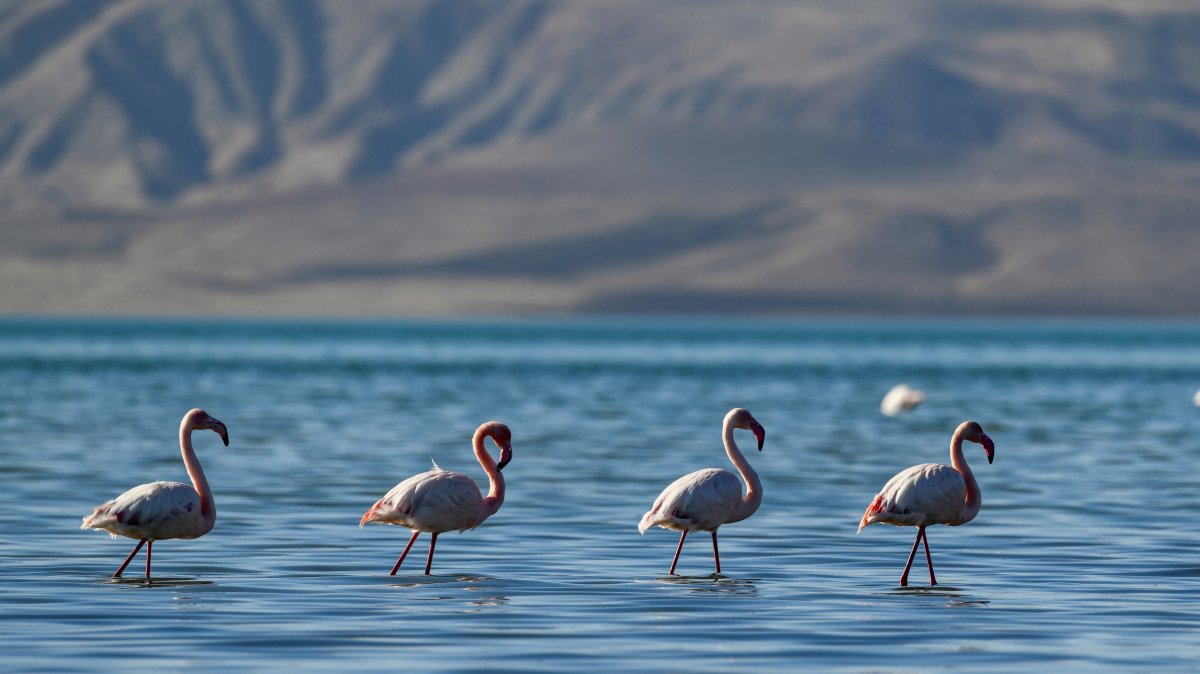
932	493
900	399
160	510
710	497
440	500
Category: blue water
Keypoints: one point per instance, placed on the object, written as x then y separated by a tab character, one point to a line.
1085	556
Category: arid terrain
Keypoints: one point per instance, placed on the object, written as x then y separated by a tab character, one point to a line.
457	157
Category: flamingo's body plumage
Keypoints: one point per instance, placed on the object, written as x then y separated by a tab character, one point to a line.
153	511
931	493
440	500
705	499
435	501
162	510
699	501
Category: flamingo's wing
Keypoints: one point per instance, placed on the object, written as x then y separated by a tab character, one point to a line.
436	500
155	510
703	500
929	493
397	504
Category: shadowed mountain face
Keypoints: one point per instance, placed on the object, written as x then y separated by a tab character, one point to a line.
462	156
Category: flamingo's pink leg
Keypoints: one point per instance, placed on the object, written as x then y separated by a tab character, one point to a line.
928	559
129	558
149	548
405	553
677	549
429	560
716	555
911	555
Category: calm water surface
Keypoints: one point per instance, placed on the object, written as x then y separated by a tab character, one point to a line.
1083	559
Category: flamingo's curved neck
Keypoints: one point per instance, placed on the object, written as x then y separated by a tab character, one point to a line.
495	495
974	496
208	507
753	497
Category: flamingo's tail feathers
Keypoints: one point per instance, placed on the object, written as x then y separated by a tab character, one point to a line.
370	513
875	508
100	518
646	523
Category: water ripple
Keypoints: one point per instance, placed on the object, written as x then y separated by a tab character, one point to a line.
1083	558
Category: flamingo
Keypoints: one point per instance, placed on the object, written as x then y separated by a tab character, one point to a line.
159	510
440	500
932	493
710	497
900	399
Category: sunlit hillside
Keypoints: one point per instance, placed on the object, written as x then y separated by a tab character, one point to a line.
456	157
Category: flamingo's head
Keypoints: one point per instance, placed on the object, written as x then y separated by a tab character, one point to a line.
741	418
974	433
502	436
199	419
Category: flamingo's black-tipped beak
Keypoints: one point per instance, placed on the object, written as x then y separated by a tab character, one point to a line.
760	434
219	428
505	457
989	447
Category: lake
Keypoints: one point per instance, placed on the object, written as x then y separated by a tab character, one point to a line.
1084	558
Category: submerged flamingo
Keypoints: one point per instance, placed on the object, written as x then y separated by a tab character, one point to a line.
160	510
900	399
710	497
440	500
932	493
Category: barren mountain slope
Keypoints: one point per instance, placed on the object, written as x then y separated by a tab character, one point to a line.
462	156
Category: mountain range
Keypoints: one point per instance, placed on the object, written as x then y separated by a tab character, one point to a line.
466	157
